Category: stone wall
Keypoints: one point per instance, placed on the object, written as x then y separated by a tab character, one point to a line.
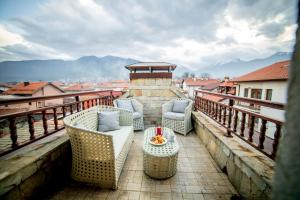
36	170
248	170
152	93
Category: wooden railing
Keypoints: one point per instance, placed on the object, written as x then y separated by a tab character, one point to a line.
45	115
245	123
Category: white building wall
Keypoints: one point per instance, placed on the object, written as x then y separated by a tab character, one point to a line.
279	94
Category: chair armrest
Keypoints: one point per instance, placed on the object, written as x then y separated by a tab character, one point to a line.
126	117
167	107
138	107
188	109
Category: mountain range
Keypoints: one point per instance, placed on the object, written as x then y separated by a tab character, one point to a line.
92	68
240	67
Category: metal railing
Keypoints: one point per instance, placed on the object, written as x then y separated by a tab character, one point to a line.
38	120
247	124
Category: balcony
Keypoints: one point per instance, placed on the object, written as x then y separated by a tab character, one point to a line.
215	160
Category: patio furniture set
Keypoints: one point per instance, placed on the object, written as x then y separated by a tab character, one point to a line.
101	137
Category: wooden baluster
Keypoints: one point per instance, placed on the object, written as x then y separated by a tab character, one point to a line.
77	103
88	103
30	126
45	125
55	118
262	135
92	102
251	128
220	113
229	117
82	105
64	111
235	122
71	108
216	113
243	124
212	111
224	115
100	101
13	132
96	100
276	140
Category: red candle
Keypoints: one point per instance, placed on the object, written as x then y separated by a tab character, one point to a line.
158	131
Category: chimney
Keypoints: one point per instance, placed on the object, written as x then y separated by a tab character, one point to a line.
26	83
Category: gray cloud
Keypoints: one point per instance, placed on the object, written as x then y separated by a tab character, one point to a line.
143	29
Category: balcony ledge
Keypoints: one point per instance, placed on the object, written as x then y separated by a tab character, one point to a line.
249	170
24	171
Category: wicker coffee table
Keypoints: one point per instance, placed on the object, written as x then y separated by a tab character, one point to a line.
160	162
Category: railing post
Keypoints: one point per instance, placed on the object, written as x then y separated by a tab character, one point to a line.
235	122
77	103
229	117
276	140
224	115
251	128
45	125
30	126
71	108
262	135
55	118
220	113
243	124
13	132
82	105
64	111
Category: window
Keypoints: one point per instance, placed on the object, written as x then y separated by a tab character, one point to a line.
269	94
256	93
246	92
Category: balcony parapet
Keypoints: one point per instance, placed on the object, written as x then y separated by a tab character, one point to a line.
249	170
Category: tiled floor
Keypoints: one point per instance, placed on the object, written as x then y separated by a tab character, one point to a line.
198	177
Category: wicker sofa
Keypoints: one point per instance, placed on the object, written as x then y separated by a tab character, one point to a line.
98	157
178	122
138	120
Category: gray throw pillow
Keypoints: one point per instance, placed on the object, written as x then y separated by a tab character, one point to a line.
180	105
125	104
108	121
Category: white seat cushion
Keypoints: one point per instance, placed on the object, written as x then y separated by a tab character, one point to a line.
174	115
119	138
136	115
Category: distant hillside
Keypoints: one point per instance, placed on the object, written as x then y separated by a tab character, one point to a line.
240	67
86	68
92	68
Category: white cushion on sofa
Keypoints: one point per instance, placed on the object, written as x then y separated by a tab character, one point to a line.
125	104
119	138
136	115
174	115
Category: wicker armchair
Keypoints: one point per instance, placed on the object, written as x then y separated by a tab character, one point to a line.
97	157
179	122
138	119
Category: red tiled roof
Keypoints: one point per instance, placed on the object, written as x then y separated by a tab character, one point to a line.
22	88
78	87
213	97
276	71
210	86
200	82
227	84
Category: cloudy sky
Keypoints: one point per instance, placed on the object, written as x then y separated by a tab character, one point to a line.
194	33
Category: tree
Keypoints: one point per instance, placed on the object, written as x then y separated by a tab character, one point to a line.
205	75
192	75
185	75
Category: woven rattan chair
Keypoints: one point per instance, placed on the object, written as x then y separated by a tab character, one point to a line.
95	158
183	124
138	119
